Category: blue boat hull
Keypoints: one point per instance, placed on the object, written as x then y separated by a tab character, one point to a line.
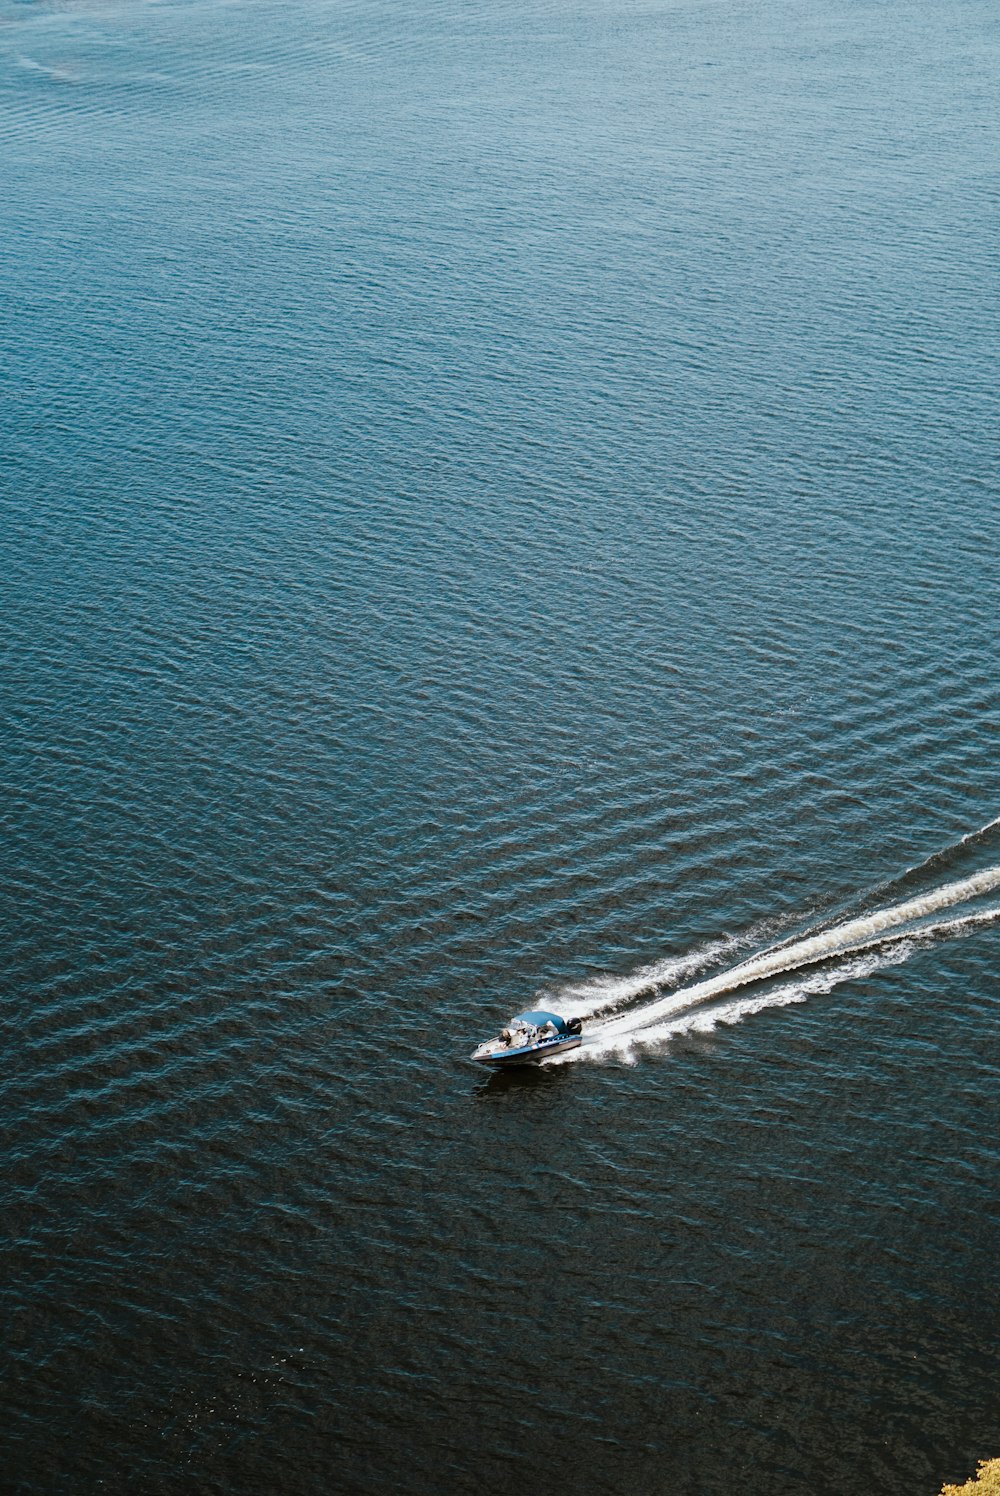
529	1054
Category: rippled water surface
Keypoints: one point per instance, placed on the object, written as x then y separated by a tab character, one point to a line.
499	505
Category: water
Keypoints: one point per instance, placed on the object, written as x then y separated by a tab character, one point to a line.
499	502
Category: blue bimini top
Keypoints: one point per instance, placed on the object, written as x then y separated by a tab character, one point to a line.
537	1017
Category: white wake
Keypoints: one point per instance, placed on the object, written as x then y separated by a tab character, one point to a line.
857	947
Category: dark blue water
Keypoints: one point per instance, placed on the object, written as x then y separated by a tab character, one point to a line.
499	501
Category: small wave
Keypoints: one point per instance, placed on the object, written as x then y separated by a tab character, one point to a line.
57	74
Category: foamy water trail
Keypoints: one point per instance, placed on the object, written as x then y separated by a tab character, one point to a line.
605	993
850	935
937	861
703	1019
867	943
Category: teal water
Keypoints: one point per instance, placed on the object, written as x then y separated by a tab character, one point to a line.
499	503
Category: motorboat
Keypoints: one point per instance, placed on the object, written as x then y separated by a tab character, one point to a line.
530	1038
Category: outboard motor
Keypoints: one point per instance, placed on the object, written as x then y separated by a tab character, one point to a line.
574	1026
